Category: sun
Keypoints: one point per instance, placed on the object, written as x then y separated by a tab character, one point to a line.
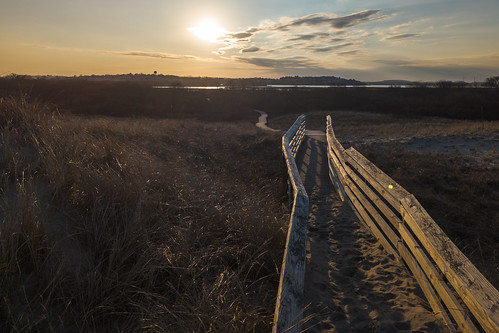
209	31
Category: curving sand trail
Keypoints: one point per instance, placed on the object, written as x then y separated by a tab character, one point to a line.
351	283
262	121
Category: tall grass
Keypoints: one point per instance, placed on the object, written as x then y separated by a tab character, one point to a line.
137	224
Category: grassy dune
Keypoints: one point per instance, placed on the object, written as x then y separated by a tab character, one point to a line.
161	225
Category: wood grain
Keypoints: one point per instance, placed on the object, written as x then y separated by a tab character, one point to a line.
416	238
481	298
289	303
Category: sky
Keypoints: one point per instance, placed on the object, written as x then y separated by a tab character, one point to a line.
421	40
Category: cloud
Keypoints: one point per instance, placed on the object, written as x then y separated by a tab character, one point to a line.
393	62
336	22
314	20
160	55
346	53
331	48
233	37
297	62
401	36
299	43
400	27
156	55
250	49
239	35
309	36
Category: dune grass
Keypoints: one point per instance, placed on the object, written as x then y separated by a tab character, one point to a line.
122	224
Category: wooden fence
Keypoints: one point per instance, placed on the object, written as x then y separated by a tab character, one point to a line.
289	304
457	292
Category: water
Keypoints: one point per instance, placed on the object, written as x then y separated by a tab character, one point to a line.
282	86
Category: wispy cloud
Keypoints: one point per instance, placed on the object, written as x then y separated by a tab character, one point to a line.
331	48
241	35
314	20
400	36
399	27
310	36
160	55
250	49
300	42
297	62
336	22
57	48
349	53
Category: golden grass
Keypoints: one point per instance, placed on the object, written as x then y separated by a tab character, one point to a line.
160	225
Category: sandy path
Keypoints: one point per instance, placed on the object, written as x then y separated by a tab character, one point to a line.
262	121
351	283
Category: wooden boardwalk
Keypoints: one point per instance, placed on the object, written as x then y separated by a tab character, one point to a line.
351	283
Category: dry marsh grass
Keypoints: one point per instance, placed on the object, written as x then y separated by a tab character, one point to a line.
137	98
122	224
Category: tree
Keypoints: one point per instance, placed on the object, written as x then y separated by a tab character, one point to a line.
492	81
444	84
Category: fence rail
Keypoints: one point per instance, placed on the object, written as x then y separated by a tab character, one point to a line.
289	304
457	292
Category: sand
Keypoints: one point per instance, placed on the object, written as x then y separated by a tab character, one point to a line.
480	151
351	283
262	122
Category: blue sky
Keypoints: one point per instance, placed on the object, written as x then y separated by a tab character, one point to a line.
365	40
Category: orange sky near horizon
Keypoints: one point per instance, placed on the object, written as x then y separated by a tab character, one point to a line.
416	40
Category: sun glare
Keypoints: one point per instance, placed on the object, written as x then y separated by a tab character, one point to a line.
208	30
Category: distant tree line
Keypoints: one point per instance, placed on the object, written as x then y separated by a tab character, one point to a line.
192	81
492	81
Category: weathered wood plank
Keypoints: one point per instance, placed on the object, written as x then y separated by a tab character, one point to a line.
477	293
338	171
369	222
289	303
336	155
335	180
333	159
380	221
425	285
389	215
387	211
335	145
480	297
378	179
460	316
